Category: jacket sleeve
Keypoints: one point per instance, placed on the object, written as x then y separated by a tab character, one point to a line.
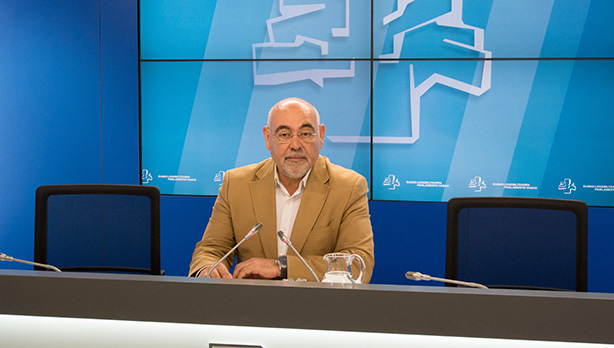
218	237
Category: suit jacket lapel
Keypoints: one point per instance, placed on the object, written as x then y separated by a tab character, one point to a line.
262	191
316	192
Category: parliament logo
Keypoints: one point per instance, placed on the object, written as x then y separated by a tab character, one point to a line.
567	185
146	176
219	176
477	184
391	182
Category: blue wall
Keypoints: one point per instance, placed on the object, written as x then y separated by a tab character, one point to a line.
69	114
68	104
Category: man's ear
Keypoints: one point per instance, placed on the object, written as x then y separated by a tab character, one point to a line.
267	136
321	131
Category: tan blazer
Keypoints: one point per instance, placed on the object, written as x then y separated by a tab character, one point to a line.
333	217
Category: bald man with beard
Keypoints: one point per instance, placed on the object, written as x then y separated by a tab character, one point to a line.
320	206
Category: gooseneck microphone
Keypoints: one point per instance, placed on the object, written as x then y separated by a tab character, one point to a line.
420	276
5	257
249	234
283	238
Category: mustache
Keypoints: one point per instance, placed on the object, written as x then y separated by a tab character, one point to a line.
295	154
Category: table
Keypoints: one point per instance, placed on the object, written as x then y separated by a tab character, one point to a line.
378	309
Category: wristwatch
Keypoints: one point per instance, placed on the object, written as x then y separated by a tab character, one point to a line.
282	263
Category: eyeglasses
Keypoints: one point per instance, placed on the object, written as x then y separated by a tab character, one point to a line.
285	137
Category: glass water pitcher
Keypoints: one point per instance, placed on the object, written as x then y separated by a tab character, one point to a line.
339	268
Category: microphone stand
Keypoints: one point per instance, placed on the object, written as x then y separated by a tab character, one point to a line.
251	232
5	257
285	239
420	276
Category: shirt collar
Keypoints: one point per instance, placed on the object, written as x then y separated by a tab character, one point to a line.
301	186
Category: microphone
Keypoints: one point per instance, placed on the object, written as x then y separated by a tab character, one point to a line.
286	241
420	276
5	257
249	234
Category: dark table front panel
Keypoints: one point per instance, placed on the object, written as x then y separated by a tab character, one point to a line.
439	311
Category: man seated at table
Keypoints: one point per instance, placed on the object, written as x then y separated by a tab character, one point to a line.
321	207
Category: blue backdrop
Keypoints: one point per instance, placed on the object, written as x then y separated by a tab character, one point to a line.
408	92
69	114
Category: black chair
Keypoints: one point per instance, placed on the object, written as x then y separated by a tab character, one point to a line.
521	243
98	228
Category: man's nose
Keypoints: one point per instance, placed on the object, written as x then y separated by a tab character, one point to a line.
295	142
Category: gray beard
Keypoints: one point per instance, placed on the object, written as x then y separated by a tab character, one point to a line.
295	171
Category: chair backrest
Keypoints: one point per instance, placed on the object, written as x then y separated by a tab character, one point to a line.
512	242
105	228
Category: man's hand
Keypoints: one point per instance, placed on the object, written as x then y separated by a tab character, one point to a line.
257	268
219	272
